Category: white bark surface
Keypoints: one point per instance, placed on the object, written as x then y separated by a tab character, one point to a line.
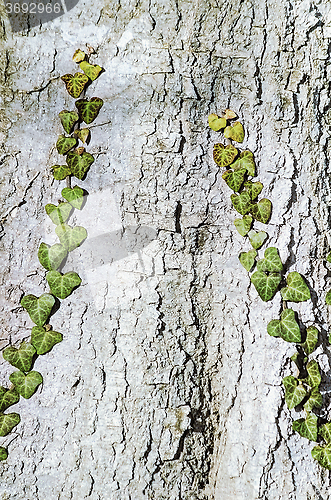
167	385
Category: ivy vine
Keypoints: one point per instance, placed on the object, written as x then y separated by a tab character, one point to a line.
301	391
25	381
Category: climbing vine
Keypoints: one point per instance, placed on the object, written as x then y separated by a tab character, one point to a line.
25	381
268	276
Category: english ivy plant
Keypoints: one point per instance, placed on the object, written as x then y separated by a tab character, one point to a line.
25	381
268	277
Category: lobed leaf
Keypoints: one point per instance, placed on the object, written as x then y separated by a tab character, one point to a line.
307	428
64	144
257	239
8	397
69	237
243	225
261	210
311	340
322	455
43	340
314	375
271	262
216	123
295	393
234	179
229	115
224	155
40	308
253	189
296	290
75	196
245	160
89	109
62	285
58	214
92	71
20	358
78	56
3	454
51	257
247	259
60	172
274	328
75	84
8	422
68	120
235	132
266	285
241	202
83	134
325	432
26	385
289	326
315	400
79	164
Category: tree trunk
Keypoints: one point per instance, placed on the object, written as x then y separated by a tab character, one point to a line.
166	385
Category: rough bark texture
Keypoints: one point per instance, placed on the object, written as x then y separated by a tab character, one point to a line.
166	385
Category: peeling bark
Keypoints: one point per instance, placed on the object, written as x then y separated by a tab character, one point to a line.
166	385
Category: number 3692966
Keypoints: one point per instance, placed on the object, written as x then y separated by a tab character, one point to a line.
33	8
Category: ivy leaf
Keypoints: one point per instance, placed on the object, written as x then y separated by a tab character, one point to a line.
290	330
234	179
247	259
68	120
224	155
322	455
64	144
235	132
79	164
90	70
329	257
51	257
40	308
241	202
274	328
26	385
3	454
58	214
75	84
253	188
229	115
8	397
8	422
62	285
43	340
271	262
245	160
315	400
325	432
257	239
296	290
294	392
83	134
306	428
243	225
78	56
328	298
89	109
75	196
216	123
20	358
314	376
266	285
60	172
70	237
311	340
261	210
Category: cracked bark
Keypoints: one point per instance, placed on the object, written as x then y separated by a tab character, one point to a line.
166	384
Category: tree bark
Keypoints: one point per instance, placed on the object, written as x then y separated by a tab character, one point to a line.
166	385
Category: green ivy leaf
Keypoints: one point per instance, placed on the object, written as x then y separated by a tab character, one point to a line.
62	285
20	358
83	134
8	422
253	189
40	308
311	340
241	202
75	196
307	428
70	237
315	400
290	330
216	123
322	455
51	257
75	84
294	392
325	432
8	397
26	385
64	144
247	259
68	120
224	155
234	179
78	56
58	214
243	225
296	359
271	262
235	132
89	109
79	164
60	172
296	290
328	298
257	239
90	70
245	160
3	454
261	210
274	328
43	340
314	375
266	285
